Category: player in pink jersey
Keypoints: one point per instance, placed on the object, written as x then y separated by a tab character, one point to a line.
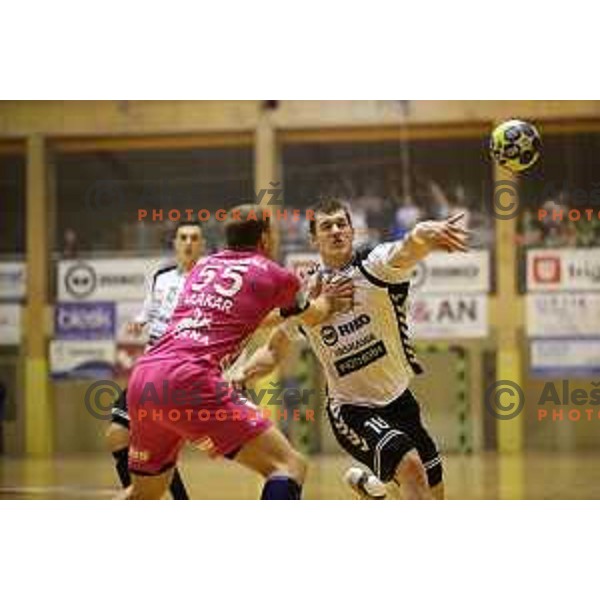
177	392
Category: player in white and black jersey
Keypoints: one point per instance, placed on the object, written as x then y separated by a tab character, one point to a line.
162	293
366	353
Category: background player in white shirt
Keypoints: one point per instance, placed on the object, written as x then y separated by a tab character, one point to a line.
366	354
162	292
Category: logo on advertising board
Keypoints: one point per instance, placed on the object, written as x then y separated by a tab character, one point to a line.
441	272
569	269
546	269
104	279
84	320
80	280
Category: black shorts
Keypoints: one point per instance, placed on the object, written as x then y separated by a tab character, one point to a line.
379	437
119	413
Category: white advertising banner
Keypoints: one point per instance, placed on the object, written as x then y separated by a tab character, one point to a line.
462	273
563	314
438	273
563	270
566	357
452	316
104	279
12	280
82	358
10	324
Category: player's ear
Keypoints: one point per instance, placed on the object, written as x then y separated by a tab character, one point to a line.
265	238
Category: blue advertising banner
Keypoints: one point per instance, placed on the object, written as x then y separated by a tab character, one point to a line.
84	320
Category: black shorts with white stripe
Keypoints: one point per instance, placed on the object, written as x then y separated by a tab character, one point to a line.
118	413
379	437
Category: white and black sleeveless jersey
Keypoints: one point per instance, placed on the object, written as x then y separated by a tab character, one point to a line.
366	354
162	293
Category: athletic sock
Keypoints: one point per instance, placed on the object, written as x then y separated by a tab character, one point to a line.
121	465
281	487
177	488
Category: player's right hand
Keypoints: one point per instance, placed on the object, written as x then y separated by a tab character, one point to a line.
339	291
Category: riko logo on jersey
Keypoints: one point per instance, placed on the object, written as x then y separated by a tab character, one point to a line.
332	335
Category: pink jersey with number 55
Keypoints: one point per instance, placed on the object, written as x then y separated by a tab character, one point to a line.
224	299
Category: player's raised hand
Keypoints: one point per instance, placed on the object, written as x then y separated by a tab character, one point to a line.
447	235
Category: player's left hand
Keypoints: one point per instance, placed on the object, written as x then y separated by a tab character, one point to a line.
446	235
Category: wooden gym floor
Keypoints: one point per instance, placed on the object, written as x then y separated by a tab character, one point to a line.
481	476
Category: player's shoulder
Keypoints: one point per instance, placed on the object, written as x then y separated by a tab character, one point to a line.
373	262
362	252
163	270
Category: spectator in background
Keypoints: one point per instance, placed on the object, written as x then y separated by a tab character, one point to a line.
557	233
459	204
440	205
530	231
588	233
70	247
407	215
359	220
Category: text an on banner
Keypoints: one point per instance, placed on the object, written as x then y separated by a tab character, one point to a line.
449	316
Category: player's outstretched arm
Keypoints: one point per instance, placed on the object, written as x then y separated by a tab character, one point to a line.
265	359
427	236
334	296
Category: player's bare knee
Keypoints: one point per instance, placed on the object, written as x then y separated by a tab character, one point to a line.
293	464
299	467
410	469
137	493
148	487
117	437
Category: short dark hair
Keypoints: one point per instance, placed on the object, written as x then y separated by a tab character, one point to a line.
186	224
245	232
328	206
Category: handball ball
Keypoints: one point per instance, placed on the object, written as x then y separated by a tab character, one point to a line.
515	145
